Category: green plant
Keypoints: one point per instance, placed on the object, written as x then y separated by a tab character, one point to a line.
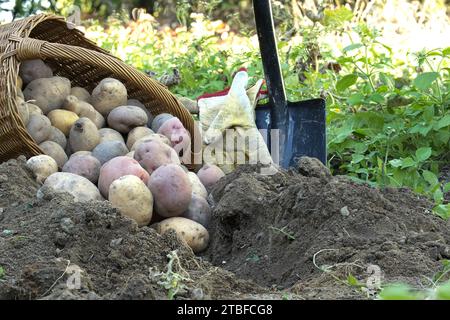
173	280
2	272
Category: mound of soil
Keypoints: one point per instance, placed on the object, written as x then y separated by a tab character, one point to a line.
306	230
299	233
49	243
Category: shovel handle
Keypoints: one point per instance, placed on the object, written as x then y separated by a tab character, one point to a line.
268	46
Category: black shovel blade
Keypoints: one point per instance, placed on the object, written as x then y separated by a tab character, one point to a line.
304	132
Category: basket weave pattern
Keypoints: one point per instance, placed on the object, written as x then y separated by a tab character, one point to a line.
70	55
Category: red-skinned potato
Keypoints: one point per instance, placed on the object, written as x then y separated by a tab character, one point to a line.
150	137
171	190
209	174
153	154
133	199
83	165
179	137
193	233
119	167
199	210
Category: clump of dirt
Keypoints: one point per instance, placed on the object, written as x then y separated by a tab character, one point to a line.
308	231
54	248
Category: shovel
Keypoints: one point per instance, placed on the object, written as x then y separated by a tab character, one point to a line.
290	129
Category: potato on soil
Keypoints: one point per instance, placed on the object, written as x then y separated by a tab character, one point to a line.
57	136
194	234
199	210
42	167
109	94
84	135
83	165
39	128
30	70
153	154
55	151
125	118
159	120
63	120
133	199
84	109
197	186
119	167
34	109
151	137
209	174
65	182
81	93
108	150
136	134
108	134
47	93
171	190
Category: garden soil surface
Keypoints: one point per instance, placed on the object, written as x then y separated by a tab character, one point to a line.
297	234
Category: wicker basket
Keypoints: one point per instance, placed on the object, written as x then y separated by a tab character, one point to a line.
70	55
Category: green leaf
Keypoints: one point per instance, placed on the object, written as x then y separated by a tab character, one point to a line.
447	187
396	163
425	80
443	122
346	81
408	162
356	158
2	272
352	281
423	154
438	196
443	291
336	17
398	292
355	99
353	46
442	210
430	177
377	98
446	51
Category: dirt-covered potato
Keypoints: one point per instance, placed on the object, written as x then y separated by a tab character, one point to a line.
34	109
119	167
81	93
193	233
39	128
83	135
109	94
47	93
171	190
63	120
30	70
65	182
153	154
199	210
150	137
55	151
209	174
83	165
179	137
197	186
24	113
108	150
136	134
84	109
42	166
125	118
57	136
133	199
159	120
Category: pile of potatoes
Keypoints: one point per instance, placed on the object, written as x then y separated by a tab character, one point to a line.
104	146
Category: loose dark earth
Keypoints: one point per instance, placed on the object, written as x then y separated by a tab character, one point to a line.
298	234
